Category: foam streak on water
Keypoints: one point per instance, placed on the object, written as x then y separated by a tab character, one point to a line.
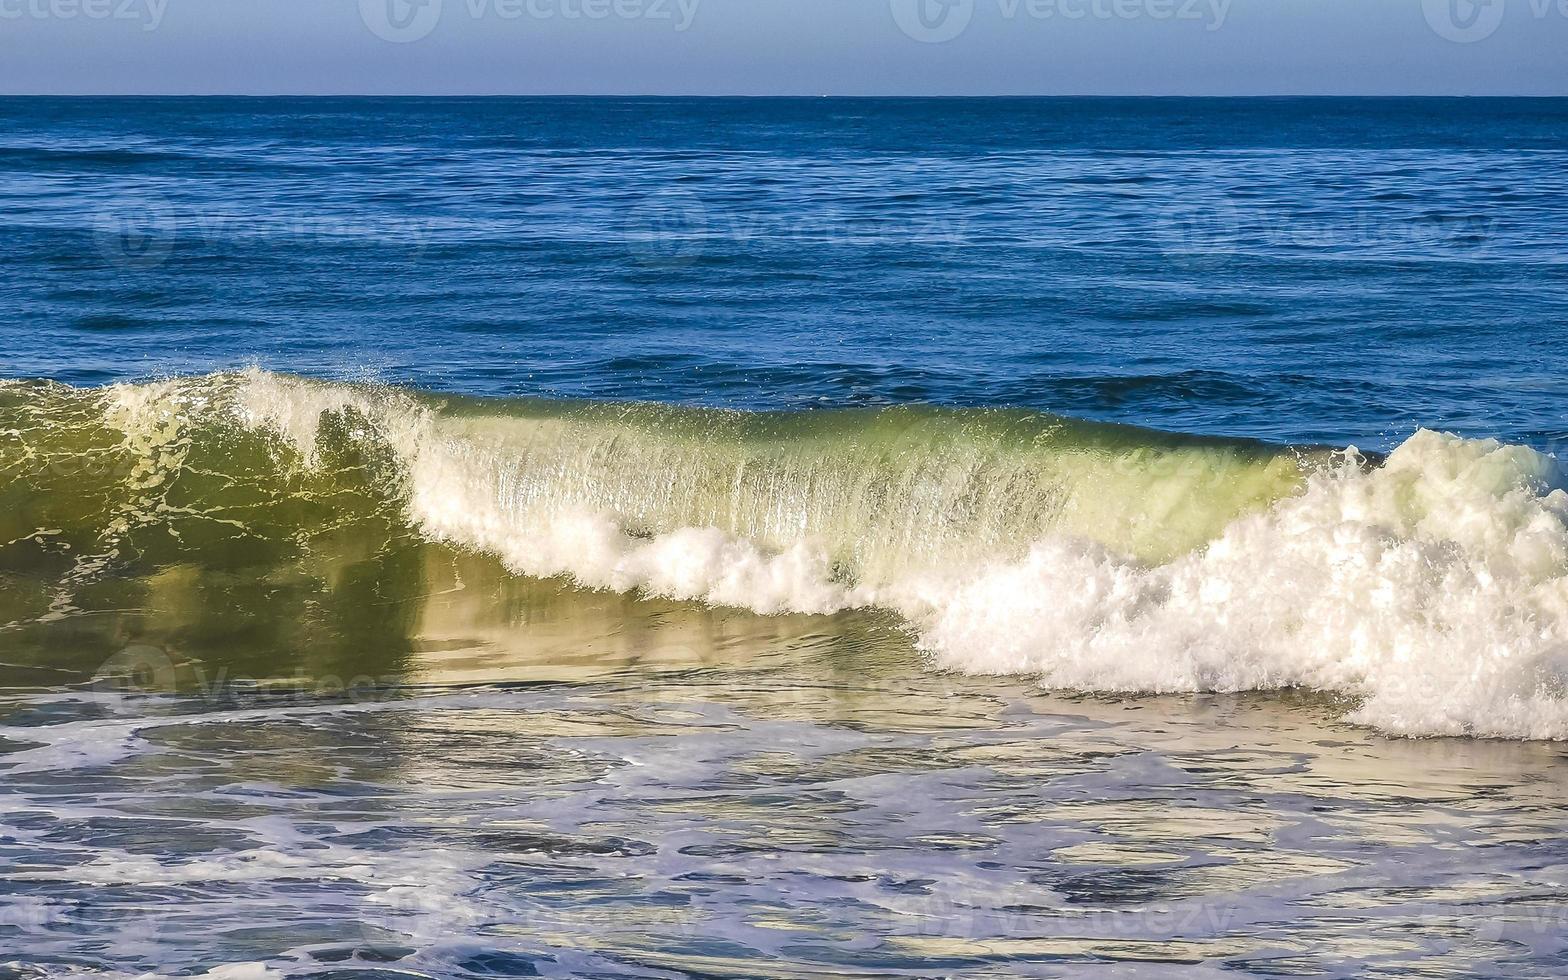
755	820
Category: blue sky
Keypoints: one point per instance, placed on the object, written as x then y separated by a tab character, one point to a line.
810	47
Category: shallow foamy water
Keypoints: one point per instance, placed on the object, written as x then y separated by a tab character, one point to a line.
591	785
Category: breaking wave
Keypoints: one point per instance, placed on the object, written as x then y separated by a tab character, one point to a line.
1429	588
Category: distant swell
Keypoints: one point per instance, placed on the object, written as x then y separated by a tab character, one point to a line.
1430	590
95	158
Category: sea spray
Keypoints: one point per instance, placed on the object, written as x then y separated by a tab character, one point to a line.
1431	588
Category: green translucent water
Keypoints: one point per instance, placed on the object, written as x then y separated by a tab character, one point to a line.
273	515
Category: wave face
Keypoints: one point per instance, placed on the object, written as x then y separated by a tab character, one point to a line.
1430	590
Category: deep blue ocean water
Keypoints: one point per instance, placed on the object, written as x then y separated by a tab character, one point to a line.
1305	270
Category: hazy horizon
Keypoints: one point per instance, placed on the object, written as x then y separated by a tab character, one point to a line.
1023	48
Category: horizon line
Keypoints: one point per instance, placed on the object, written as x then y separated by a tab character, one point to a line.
737	96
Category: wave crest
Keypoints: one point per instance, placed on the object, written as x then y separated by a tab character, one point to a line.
1432	588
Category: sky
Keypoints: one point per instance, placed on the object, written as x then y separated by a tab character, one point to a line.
785	47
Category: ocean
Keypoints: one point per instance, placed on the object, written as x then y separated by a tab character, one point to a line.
666	538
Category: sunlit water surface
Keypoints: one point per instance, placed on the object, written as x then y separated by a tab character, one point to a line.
516	778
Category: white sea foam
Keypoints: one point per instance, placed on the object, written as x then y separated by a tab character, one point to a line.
1432	589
